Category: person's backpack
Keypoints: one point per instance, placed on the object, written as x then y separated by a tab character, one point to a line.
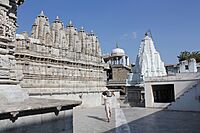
104	93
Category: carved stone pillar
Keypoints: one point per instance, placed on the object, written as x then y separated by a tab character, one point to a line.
9	88
7	37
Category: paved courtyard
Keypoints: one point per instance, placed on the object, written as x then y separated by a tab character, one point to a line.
135	120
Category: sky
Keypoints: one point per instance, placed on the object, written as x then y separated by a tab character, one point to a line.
174	24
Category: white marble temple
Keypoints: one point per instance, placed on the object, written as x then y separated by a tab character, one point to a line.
148	62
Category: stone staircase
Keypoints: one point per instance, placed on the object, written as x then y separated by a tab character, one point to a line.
188	100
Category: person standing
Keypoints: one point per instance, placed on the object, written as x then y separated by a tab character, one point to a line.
107	95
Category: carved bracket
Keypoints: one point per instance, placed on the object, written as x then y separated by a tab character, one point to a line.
14	116
58	108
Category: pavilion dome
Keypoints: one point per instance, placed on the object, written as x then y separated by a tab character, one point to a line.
118	52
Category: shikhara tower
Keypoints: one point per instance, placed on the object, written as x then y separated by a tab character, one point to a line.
148	62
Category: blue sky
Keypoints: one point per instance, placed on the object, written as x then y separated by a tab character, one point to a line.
175	24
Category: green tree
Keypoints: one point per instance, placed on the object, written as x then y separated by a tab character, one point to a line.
185	55
195	55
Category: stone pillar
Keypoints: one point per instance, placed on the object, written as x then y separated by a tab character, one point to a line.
117	60
128	62
124	60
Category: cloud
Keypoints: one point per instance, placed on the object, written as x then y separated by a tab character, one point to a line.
134	35
128	36
124	36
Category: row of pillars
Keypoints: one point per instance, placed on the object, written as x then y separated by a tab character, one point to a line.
124	60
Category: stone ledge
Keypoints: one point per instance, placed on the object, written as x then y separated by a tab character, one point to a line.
33	106
36	104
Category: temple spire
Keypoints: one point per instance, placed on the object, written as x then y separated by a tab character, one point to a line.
148	61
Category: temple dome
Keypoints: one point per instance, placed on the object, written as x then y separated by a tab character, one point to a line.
118	52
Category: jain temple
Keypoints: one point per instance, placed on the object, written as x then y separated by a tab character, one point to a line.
46	73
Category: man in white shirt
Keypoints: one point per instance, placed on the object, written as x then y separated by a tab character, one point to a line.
107	102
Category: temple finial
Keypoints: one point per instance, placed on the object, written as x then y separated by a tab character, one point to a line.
146	34
117	45
70	23
42	13
57	18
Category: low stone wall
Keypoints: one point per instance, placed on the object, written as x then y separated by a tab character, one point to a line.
88	99
41	123
36	115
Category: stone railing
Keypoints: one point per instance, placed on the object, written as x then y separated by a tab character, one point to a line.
178	76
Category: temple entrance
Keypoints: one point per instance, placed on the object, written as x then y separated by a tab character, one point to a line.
163	93
136	96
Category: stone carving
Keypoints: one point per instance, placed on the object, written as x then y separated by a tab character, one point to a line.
7	25
7	37
2	21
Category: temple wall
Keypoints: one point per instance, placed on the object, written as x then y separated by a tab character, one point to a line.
120	73
57	61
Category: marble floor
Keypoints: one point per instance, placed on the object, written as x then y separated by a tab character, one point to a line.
135	120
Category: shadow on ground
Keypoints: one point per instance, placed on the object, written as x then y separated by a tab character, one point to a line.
98	118
162	122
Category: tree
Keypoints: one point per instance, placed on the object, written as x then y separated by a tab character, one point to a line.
188	55
195	55
184	56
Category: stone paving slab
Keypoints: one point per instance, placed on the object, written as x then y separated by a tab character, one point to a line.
92	120
144	120
136	120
